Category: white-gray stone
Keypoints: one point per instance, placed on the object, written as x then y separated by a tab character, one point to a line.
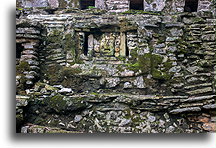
65	90
78	118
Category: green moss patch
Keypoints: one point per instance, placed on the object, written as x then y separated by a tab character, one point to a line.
57	103
149	64
55	36
23	66
141	12
57	74
63	105
20	69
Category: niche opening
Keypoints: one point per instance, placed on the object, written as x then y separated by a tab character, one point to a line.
136	4
105	44
84	4
19	49
191	6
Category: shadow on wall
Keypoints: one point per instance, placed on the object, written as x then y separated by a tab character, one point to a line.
191	5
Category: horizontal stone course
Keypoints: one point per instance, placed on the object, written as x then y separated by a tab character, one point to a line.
166	73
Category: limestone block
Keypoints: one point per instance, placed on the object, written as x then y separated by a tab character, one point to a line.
154	5
53	3
35	3
204	5
182	110
139	82
100	4
112	82
123	45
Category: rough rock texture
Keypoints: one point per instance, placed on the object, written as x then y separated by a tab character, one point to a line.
91	70
168	6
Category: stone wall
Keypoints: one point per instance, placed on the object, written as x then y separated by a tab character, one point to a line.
28	42
95	71
166	6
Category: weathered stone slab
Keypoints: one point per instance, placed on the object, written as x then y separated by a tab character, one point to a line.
182	110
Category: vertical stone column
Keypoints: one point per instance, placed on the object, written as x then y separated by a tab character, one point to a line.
90	45
81	39
100	4
27	68
123	44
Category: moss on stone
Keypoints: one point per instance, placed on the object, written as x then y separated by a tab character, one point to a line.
23	66
55	36
57	103
121	58
20	69
157	74
134	54
59	74
70	44
121	67
39	120
149	64
94	93
167	65
52	73
134	67
140	12
62	4
198	20
182	46
67	71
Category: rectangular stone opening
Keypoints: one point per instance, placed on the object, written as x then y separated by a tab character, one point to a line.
136	4
105	44
85	4
19	49
191	6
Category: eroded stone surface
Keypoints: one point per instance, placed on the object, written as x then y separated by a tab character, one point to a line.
134	72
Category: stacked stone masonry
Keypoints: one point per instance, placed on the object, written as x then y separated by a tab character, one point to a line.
168	6
113	70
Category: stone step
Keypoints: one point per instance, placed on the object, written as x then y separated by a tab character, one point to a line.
55	26
198	75
197	80
182	110
200	91
54	56
55	59
29	52
30	36
26	57
186	105
48	17
55	51
54	22
61	62
198	85
32	62
199	98
27	31
109	62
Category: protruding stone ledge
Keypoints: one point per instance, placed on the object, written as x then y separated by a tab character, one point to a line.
44	129
201	98
211	106
182	110
200	91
